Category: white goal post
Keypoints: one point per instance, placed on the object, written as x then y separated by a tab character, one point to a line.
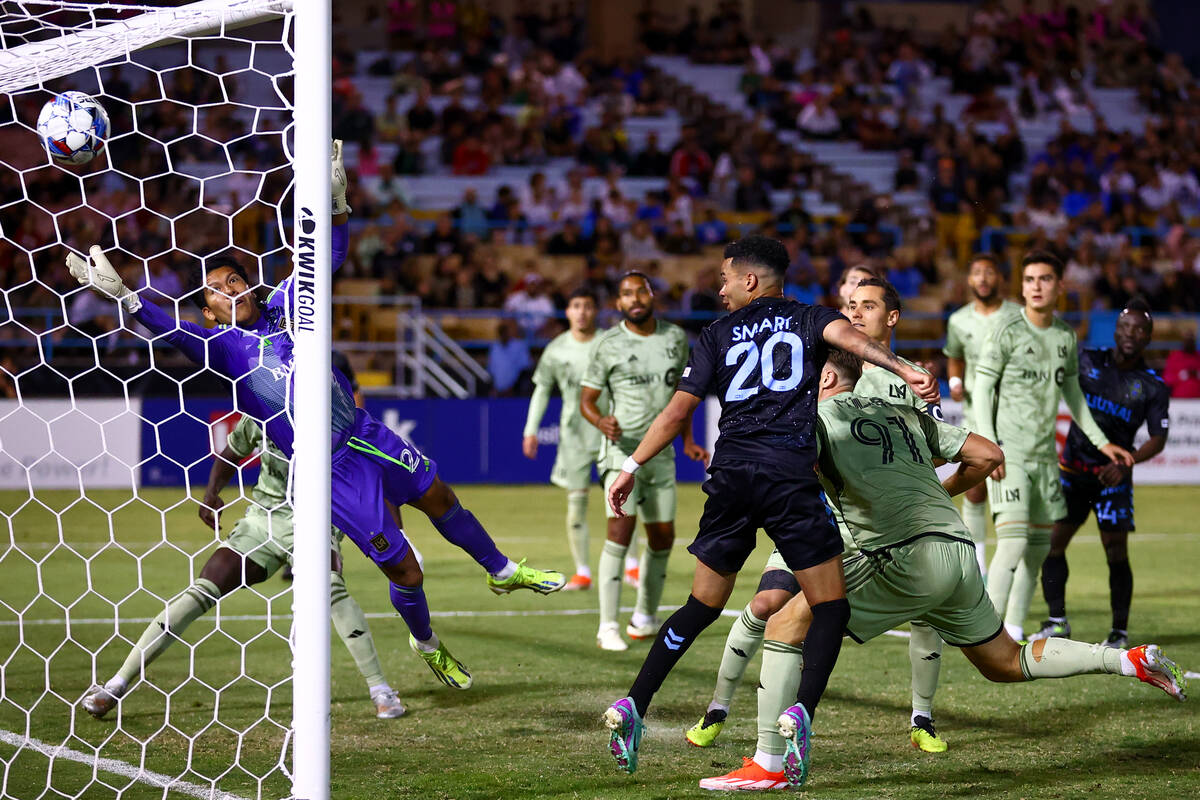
46	42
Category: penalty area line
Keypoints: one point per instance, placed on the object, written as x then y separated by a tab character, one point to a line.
115	767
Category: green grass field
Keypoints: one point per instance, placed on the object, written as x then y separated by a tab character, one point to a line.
530	725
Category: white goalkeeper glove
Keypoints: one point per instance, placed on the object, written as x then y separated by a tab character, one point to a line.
100	277
337	181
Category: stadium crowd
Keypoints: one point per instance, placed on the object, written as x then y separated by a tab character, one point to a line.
1115	205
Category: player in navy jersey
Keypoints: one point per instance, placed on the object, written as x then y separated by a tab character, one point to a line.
1123	394
763	361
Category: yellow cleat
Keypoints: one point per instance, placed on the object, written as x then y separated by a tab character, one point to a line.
925	738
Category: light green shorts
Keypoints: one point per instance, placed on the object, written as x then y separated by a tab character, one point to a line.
1030	491
573	469
266	537
653	496
934	580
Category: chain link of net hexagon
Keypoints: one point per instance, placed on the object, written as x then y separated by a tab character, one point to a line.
106	437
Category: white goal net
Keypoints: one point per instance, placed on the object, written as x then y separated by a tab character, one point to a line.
107	436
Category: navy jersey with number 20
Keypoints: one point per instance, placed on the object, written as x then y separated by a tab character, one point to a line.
763	362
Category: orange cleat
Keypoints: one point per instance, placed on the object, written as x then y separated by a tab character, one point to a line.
749	778
631	576
578	583
1156	669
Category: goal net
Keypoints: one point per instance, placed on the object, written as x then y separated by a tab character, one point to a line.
107	435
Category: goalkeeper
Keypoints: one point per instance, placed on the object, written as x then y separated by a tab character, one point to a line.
261	543
371	465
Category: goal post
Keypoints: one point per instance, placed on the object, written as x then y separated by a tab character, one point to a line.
311	474
249	139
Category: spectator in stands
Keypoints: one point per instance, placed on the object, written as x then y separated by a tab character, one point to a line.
531	302
702	298
508	358
819	120
751	193
795	217
851	278
471	157
422	120
443	239
639	244
690	163
491	284
163	280
1182	372
651	161
905	277
678	241
569	241
906	178
469	217
386	187
712	231
538	201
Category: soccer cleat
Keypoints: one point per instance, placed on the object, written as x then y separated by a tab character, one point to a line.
540	581
706	731
99	701
796	727
1117	639
925	738
750	777
1051	629
1156	669
609	638
387	704
448	669
578	583
645	631
631	576
625	723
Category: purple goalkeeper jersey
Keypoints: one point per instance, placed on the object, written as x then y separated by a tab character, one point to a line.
258	359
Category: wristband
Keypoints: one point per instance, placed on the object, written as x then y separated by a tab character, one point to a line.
955	383
630	466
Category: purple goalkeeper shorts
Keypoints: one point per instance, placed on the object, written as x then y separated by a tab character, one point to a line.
373	465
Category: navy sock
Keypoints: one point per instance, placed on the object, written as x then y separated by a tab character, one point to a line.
821	648
673	640
459	527
1120	587
1054	584
414	610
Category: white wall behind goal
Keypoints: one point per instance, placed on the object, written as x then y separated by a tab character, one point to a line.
58	444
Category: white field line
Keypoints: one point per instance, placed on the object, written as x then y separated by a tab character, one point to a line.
116	767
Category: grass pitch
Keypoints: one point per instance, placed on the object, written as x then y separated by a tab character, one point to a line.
530	725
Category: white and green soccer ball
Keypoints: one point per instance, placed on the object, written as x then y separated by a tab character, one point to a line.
73	127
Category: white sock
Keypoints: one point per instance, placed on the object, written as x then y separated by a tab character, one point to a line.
430	644
1015	631
715	706
631	562
920	713
1127	667
380	688
1059	620
584	570
769	761
116	686
509	570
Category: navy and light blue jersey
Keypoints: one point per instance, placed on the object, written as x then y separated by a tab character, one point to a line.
763	362
259	358
1121	401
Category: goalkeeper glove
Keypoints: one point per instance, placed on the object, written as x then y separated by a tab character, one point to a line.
337	181
100	277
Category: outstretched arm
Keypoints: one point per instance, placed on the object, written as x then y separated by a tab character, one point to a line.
978	458
842	335
533	418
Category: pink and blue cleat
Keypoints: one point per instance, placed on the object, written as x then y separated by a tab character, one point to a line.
625	723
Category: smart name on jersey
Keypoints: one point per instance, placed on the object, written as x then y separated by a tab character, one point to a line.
1120	402
763	362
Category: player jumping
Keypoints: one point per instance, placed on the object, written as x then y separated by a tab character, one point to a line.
762	361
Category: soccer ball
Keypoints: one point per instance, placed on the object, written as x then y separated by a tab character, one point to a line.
73	127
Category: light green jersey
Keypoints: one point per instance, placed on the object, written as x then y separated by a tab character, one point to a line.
890	387
563	364
1029	366
640	374
271	489
876	464
967	331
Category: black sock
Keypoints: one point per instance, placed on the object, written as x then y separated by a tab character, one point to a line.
673	640
821	648
1054	584
1120	587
